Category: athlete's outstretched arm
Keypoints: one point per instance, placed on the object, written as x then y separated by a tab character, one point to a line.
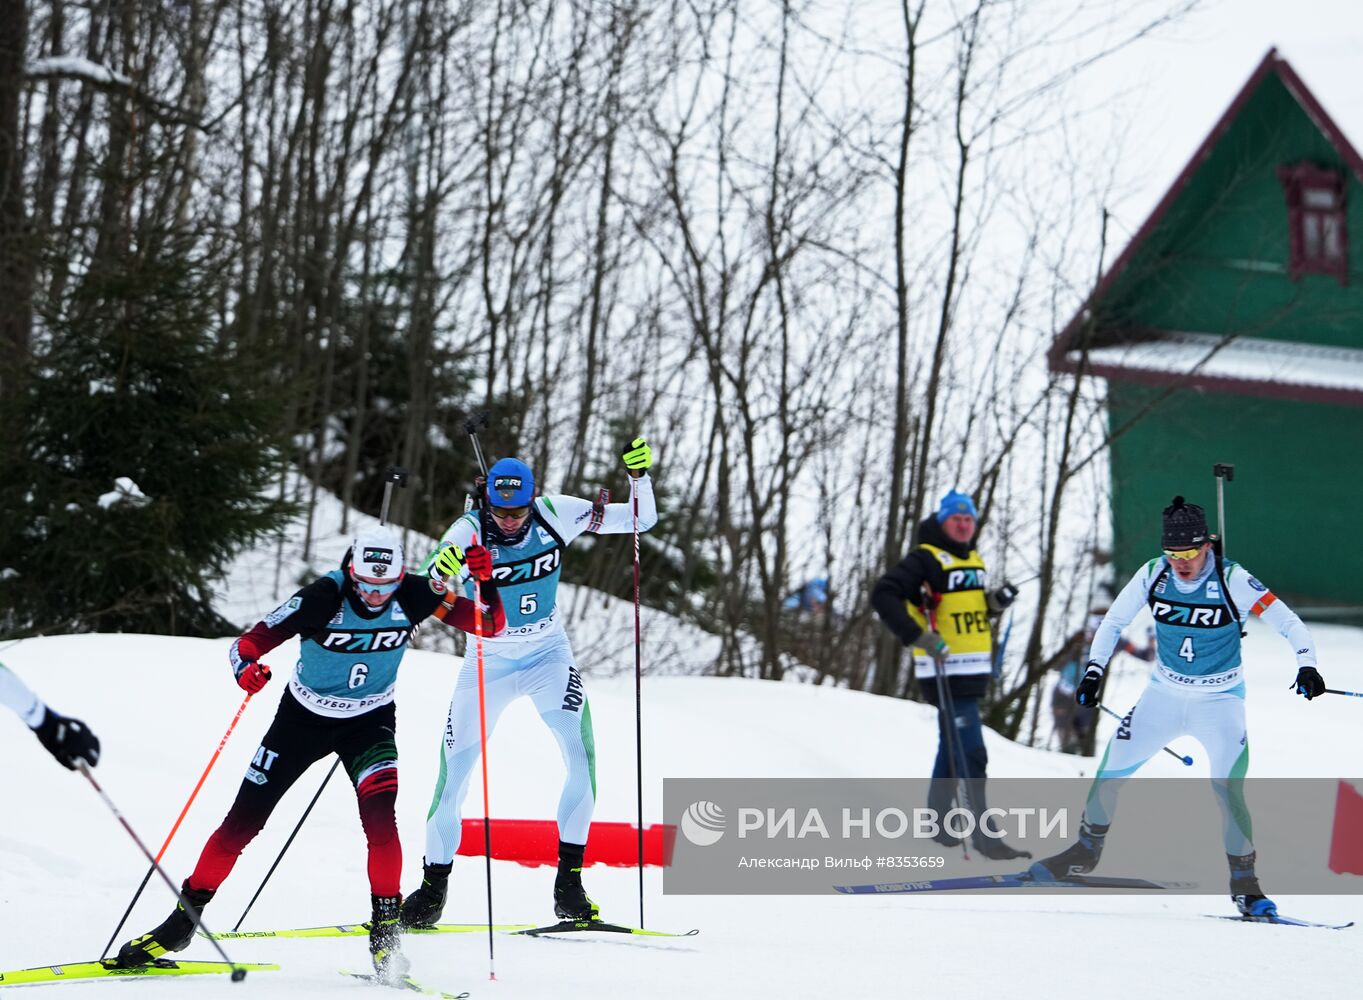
1253	598
15	695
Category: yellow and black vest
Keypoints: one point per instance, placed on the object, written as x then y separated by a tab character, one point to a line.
962	616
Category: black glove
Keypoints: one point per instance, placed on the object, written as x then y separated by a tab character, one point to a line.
1000	599
69	740
1309	682
1086	693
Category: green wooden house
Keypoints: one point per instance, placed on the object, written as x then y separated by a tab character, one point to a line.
1230	330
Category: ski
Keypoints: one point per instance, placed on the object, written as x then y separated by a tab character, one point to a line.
105	969
1021	880
405	983
358	930
580	926
1286	921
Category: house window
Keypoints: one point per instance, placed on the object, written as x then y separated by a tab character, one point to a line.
1317	237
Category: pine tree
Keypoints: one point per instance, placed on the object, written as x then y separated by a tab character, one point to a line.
140	458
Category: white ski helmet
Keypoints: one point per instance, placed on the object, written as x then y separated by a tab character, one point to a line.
376	556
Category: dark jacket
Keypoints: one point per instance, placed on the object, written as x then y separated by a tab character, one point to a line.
904	582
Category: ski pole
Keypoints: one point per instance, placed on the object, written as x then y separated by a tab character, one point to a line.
1351	694
320	788
473	425
946	711
393	476
238	973
638	698
1224	473
178	820
1177	756
482	739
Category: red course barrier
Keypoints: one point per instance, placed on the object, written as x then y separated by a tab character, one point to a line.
534	842
1346	840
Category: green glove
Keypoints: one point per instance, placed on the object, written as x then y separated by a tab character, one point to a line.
449	561
639	457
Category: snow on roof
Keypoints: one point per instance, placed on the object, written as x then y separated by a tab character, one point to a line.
1239	363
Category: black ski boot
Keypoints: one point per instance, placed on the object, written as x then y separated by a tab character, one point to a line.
385	939
172	934
570	899
423	907
1079	858
1245	893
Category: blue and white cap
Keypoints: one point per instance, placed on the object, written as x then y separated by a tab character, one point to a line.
955	503
510	483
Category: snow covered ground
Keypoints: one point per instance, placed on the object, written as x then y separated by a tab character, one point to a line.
160	705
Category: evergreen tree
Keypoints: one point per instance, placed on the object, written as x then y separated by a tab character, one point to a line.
139	461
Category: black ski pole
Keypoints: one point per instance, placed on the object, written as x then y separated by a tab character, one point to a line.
474	424
1224	473
1182	759
301	819
946	714
238	973
393	476
1351	694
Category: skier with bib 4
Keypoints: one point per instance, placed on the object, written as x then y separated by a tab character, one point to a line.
1197	688
526	535
354	624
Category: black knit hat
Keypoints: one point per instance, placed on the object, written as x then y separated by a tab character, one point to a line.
1185	525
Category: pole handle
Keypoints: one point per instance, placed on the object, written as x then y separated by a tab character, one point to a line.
394	475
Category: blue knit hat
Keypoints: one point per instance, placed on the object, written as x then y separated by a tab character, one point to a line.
510	483
955	503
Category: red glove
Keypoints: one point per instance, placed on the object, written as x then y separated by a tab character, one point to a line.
253	676
478	561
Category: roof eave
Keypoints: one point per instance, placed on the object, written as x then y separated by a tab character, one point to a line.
1296	392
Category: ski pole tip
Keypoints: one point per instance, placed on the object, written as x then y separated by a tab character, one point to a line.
1188	761
238	975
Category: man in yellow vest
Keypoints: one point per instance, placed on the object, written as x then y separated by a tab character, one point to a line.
937	600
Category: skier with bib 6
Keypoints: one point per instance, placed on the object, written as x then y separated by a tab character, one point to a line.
354	624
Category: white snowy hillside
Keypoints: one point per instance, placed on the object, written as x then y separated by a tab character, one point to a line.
160	705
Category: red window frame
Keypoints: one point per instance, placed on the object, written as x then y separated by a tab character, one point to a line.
1318	236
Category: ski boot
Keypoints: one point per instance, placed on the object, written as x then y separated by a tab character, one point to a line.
385	940
1245	893
172	934
1079	858
570	899
423	907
